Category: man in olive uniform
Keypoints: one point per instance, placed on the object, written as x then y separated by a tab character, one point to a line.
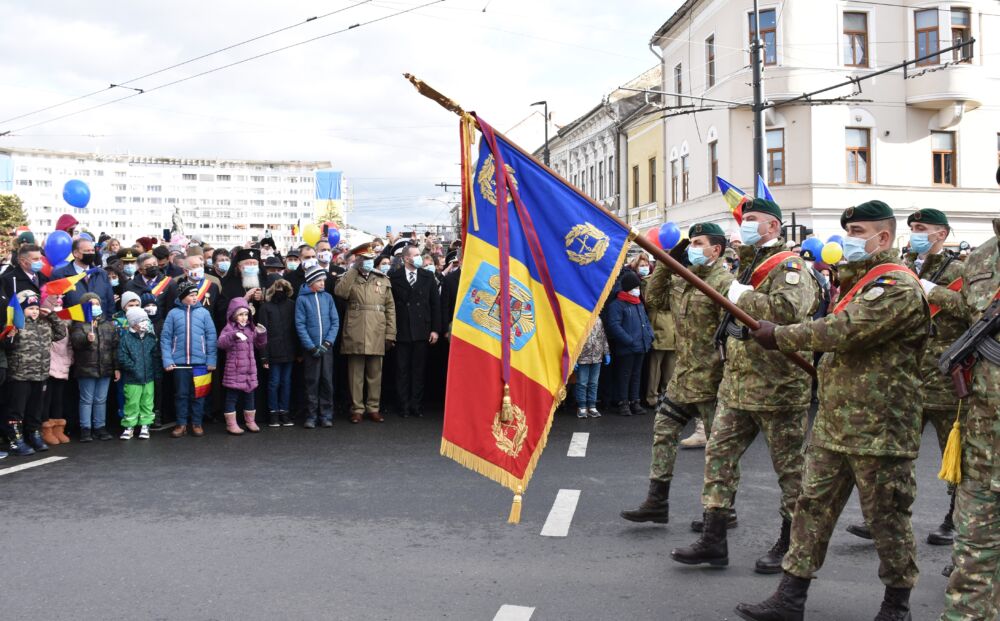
972	588
695	382
369	329
867	428
761	391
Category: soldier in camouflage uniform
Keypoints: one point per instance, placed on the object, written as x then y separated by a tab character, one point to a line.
867	429
761	391
692	389
972	591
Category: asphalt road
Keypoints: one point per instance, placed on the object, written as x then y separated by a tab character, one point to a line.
369	522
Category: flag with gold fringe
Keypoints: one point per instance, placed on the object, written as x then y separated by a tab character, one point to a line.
539	260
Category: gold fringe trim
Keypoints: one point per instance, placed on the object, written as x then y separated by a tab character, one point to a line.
951	459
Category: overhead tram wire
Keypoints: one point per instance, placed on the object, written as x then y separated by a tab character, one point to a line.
226	66
186	62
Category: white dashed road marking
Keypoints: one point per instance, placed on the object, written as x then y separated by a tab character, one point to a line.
514	613
561	515
578	445
30	464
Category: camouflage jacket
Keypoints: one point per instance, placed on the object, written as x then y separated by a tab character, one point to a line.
937	389
698	369
981	432
28	351
869	379
767	381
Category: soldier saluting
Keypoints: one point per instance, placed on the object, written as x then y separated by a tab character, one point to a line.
867	429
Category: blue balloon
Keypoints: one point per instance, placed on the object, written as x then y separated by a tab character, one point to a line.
87	235
669	235
58	245
813	246
76	193
836	239
333	236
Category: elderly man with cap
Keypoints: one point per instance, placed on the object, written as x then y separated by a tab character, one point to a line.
867	429
418	324
369	329
691	392
244	279
762	392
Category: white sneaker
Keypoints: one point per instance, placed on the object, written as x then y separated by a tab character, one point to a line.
127	434
594	413
696	439
144	432
581	413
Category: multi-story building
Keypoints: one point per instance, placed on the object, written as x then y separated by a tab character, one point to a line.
924	136
221	201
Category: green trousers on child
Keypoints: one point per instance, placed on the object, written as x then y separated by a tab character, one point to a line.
138	405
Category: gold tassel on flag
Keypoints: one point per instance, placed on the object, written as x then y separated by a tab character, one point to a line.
951	460
515	508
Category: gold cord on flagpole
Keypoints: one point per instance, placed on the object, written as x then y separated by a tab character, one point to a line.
951	459
506	406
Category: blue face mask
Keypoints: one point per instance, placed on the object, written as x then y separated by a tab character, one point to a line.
919	243
251	270
223	266
97	311
129	270
697	256
418	261
114	282
749	233
854	248
384	268
37	266
368	264
644	270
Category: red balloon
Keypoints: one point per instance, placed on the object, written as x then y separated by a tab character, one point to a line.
653	235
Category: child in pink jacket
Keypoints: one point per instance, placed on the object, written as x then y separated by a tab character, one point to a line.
239	339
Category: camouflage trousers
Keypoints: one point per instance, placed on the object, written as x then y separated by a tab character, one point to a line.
972	589
886	488
668	424
733	432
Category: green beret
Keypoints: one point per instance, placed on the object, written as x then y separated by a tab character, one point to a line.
928	216
26	237
764	206
866	212
705	228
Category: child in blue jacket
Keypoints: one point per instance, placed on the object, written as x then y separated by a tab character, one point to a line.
188	340
316	323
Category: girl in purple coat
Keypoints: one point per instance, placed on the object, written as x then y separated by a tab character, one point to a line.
239	339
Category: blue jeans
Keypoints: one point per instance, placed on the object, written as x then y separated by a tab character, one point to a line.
279	386
93	401
587	376
184	398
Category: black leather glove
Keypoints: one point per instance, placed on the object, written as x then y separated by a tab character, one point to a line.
764	335
389	344
679	252
317	352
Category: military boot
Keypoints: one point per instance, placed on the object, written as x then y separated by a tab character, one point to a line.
770	563
895	605
945	534
17	445
860	530
711	548
787	604
655	508
731	523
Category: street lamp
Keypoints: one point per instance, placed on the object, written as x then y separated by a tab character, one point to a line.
545	155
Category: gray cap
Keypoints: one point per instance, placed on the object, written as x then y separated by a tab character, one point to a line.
135	316
130	296
315	273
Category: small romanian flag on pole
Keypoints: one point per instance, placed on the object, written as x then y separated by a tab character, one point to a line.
202	381
15	317
62	286
161	286
735	198
78	312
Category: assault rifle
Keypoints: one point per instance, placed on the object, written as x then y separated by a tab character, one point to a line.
977	343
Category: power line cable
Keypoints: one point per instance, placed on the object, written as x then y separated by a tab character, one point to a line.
186	62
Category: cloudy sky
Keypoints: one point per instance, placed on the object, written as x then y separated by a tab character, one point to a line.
340	98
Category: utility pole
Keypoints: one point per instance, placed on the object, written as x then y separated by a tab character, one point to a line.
757	60
545	155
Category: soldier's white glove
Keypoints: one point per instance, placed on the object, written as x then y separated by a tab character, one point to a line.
927	285
736	290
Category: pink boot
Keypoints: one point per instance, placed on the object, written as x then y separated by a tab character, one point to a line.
231	425
248	418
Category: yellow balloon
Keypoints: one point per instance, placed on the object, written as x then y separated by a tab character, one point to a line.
311	234
832	253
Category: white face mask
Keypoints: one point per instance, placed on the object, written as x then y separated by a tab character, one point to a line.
307	263
197	273
635	292
325	256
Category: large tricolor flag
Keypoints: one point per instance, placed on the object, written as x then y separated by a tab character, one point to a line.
535	273
734	197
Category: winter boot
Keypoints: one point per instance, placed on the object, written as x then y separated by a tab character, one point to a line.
35	441
655	508
248	418
698	439
49	433
636	408
17	445
770	563
622	409
895	605
102	434
311	422
286	419
85	435
232	426
59	429
711	548
860	530
699	526
273	419
945	534
787	604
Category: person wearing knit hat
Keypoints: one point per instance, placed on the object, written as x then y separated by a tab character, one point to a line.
630	336
761	392
317	324
866	435
95	360
139	358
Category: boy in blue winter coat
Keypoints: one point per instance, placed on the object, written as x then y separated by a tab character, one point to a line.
316	323
188	340
139	360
